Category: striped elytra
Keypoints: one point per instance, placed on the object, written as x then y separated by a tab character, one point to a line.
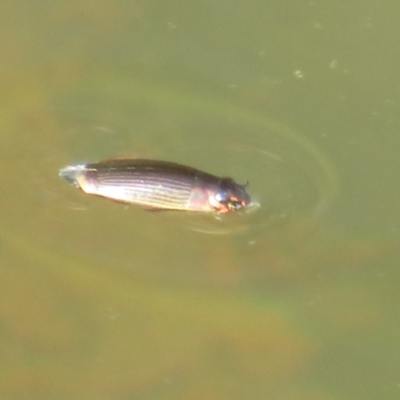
158	185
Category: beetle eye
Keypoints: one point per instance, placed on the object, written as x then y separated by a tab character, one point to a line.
222	197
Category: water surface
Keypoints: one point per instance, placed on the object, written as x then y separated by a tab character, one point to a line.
296	300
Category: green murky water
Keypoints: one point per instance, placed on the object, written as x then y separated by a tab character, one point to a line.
296	300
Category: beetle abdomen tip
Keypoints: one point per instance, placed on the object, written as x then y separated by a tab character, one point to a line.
71	173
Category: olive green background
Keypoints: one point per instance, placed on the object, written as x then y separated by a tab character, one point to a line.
296	300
